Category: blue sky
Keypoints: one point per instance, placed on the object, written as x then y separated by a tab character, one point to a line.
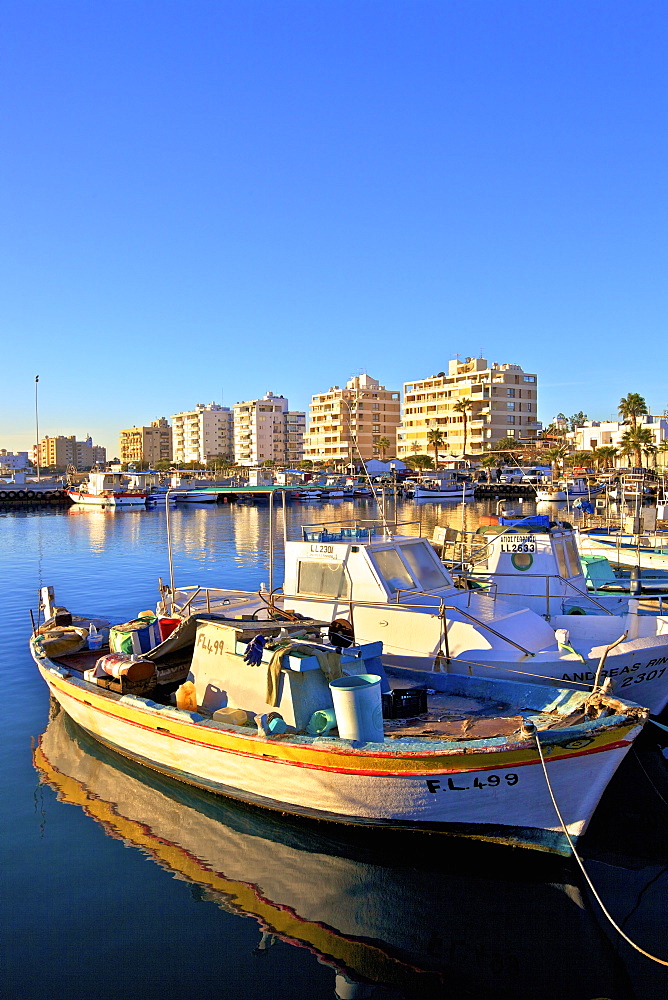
206	200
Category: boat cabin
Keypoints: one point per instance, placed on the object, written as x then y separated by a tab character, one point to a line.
537	561
364	564
106	482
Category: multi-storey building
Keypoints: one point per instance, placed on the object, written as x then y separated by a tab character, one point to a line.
147	444
348	425
609	433
266	431
14	460
295	428
202	434
59	452
474	406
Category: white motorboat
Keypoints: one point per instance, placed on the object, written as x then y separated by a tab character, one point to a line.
394	588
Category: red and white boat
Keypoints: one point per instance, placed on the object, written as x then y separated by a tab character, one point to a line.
107	489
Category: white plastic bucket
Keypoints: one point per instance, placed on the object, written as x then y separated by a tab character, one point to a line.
359	708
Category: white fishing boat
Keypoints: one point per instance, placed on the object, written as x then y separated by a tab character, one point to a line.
445	486
200	495
290	717
395	589
647	550
635	485
533	562
156	485
365	904
570	489
107	489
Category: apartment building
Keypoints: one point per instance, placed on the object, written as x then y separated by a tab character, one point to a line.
62	451
202	434
265	430
472	406
295	429
147	444
349	424
609	433
14	460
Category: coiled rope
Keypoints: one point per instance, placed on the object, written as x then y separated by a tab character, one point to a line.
596	896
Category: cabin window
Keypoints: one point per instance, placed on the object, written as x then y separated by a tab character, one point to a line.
424	567
568	560
562	565
572	554
328	579
393	571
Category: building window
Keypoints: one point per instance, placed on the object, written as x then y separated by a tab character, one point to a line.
510	392
510	406
511	420
529	378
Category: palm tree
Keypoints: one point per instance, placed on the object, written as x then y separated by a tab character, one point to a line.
420	462
606	454
635	441
462	406
488	462
435	439
555	456
383	443
663	450
631	407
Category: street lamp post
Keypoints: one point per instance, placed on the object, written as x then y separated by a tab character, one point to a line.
37	428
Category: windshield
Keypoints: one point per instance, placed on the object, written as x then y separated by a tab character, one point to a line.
393	571
424	566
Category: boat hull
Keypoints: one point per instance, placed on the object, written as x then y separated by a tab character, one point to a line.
108	499
497	794
455	493
622	550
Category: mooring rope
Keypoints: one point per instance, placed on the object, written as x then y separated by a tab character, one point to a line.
596	896
644	771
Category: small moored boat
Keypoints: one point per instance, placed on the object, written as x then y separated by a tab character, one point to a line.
570	489
107	489
296	717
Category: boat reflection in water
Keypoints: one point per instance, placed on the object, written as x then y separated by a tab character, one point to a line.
394	917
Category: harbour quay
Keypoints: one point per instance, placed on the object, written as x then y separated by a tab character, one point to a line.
33	494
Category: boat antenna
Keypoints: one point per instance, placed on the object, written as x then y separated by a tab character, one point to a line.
169	543
380	499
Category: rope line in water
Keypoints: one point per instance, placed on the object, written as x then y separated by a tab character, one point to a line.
589	882
644	771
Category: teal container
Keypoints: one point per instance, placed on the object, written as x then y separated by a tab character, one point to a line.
321	722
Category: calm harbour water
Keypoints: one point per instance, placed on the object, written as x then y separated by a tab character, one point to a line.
120	883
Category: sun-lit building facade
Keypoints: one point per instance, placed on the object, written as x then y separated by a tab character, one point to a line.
498	401
349	425
147	444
